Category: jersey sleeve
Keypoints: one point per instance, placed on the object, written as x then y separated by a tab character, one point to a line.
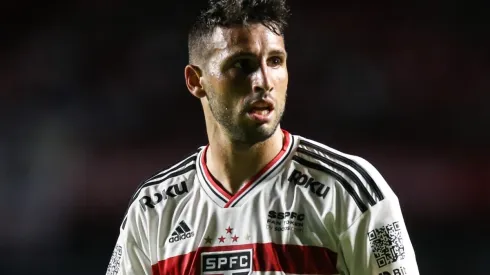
131	253
377	242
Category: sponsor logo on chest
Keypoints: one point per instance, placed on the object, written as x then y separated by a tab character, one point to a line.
285	221
314	186
181	232
171	192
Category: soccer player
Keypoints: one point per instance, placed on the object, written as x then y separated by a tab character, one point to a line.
258	199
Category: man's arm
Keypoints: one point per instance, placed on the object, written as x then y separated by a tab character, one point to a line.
130	256
377	242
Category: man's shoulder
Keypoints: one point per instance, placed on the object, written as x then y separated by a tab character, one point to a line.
322	148
353	174
169	182
166	176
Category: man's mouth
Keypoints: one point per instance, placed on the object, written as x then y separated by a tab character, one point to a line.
261	111
262	106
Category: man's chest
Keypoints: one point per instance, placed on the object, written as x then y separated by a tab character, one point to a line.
264	234
240	226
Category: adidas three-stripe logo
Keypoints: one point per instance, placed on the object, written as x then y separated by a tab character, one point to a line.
181	232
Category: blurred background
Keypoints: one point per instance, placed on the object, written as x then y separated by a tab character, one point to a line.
93	101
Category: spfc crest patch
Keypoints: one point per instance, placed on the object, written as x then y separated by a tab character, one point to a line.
236	262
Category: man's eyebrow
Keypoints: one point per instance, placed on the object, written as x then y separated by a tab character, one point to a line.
240	53
246	53
237	54
278	52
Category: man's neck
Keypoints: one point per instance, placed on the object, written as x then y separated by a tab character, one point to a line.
234	164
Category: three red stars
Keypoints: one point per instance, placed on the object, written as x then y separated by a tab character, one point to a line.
222	239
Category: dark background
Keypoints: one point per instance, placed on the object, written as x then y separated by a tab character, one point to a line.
93	101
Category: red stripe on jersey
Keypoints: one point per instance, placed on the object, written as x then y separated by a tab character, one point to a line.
224	192
285	145
288	258
210	178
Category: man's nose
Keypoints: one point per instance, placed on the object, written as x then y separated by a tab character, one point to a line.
263	80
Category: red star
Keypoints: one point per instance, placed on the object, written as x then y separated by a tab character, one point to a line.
235	238
229	230
221	239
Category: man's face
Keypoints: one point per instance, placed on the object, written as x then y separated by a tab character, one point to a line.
245	80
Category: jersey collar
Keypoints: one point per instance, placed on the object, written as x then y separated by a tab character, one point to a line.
222	197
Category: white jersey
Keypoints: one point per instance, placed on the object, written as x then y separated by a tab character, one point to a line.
311	210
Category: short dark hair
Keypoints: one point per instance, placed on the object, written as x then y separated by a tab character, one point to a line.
273	14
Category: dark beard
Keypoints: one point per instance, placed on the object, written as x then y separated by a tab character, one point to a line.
241	134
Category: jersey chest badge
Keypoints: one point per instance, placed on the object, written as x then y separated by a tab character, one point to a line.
236	262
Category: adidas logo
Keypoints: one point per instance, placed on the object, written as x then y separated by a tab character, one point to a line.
181	232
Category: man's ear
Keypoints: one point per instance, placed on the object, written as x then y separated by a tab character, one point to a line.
193	76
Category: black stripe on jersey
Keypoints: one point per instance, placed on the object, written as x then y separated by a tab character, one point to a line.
171	173
167	175
163	174
124	221
339	178
349	162
285	157
344	170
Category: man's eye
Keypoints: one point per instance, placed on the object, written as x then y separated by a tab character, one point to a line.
239	64
244	65
275	61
